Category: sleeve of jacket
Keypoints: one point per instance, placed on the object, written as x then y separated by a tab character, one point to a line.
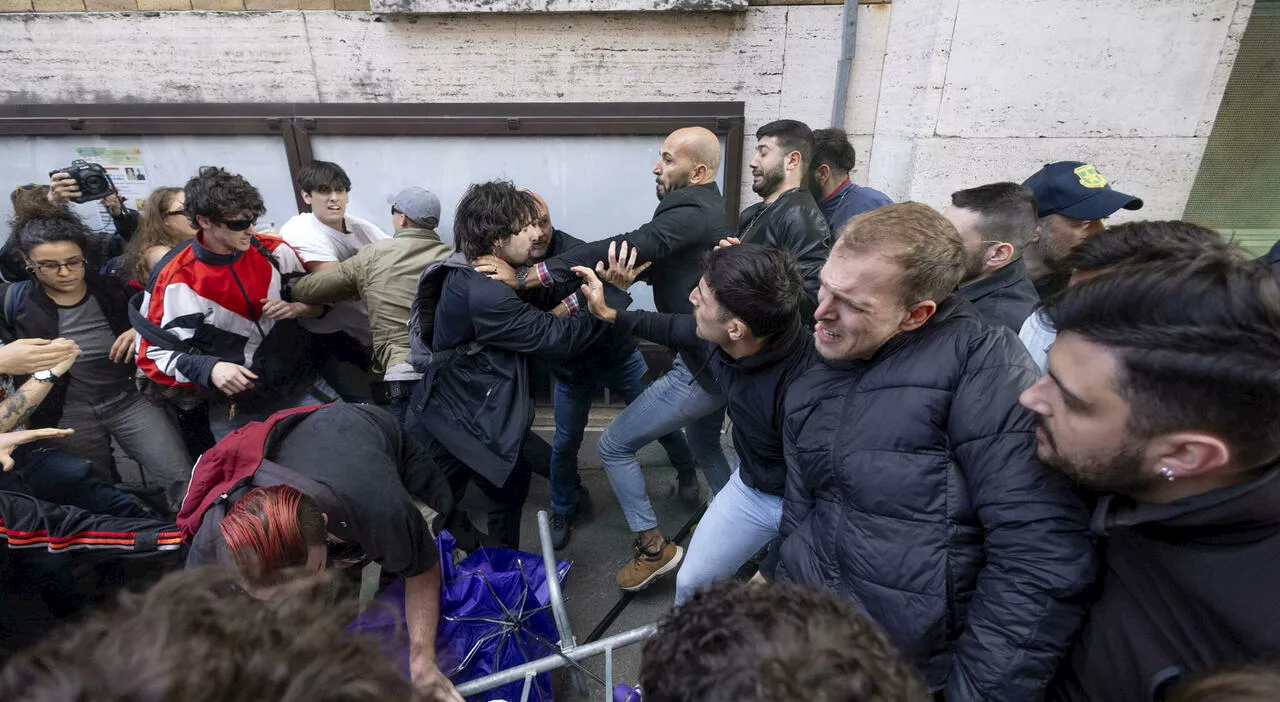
502	320
179	310
342	282
677	331
26	522
656	240
1040	561
806	235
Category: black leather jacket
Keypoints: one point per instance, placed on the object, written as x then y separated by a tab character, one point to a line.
792	223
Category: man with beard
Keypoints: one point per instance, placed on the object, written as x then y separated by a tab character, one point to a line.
911	485
1073	200
996	222
839	198
614	362
1163	395
688	221
472	336
789	217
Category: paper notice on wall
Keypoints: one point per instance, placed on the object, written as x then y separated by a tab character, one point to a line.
128	172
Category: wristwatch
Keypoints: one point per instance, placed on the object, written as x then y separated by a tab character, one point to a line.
44	376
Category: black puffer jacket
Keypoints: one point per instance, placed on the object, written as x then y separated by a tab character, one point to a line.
913	489
794	223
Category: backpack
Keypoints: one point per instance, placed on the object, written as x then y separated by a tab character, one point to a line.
236	465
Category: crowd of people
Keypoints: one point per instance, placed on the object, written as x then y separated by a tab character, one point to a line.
1001	452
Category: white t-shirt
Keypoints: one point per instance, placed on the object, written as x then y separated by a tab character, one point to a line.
317	242
1038	335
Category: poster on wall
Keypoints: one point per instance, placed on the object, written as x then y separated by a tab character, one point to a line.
128	172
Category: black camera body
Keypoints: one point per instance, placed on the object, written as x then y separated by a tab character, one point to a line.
93	180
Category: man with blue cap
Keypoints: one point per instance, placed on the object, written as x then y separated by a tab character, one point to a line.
1074	199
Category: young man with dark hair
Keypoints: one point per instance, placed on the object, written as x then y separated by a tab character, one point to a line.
748	643
688	221
911	485
746	332
471	335
1163	395
1074	199
996	222
220	299
1129	243
837	195
788	218
613	362
323	238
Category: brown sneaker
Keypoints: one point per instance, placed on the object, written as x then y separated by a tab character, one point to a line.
644	568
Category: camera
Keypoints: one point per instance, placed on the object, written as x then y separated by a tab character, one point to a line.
93	180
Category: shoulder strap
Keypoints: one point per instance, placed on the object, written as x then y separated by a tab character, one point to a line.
12	300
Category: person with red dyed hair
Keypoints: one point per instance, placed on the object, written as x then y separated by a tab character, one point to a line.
341	473
273	532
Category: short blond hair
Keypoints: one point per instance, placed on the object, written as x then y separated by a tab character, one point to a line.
918	239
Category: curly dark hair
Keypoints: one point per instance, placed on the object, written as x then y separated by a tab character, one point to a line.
746	643
195	637
1144	242
221	196
37	221
490	213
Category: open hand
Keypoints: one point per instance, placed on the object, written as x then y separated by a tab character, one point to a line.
593	290
26	356
71	352
13	439
496	269
622	270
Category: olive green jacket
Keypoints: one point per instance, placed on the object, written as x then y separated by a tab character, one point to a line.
384	275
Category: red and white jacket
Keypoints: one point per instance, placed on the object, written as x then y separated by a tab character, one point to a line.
214	303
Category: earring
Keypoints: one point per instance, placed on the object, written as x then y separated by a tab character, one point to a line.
1167	473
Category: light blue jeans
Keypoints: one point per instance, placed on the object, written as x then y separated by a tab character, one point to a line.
673	401
739	522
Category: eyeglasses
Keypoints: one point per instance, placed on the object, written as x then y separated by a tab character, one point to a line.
237	225
396	210
52	268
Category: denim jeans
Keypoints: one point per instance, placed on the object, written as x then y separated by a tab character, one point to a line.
573	405
147	432
222	423
675	400
739	522
48	474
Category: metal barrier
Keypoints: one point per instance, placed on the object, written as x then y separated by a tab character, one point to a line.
570	653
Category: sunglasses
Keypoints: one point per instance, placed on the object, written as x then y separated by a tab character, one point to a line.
395	210
237	225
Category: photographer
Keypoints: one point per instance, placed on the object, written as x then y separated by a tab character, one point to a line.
63	188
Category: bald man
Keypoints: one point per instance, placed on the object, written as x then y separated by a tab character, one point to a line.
689	220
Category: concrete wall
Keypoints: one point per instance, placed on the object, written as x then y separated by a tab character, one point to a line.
976	91
944	93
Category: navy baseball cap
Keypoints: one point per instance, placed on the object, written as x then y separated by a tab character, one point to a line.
1077	190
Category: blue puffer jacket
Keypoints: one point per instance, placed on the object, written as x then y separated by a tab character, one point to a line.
913	489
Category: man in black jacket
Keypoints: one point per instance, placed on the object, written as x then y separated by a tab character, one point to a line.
689	221
744	323
911	485
1163	395
996	222
613	362
471	336
789	218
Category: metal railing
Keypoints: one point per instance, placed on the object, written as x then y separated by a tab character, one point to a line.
570	652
